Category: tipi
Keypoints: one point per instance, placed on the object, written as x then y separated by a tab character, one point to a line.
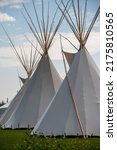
75	109
45	81
29	63
13	105
28	60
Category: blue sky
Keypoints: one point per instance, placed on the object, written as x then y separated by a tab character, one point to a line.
13	21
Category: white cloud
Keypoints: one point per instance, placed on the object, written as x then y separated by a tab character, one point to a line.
4	17
7	58
16	6
9	62
92	45
4	3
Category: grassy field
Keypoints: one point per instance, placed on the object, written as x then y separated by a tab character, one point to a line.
9	139
19	140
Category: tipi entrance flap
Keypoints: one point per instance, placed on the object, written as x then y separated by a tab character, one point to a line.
69	57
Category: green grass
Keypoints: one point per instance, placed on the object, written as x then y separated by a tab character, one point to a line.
19	140
9	139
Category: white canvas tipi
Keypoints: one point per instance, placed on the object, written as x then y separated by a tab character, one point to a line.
16	100
45	81
29	63
75	109
39	92
28	60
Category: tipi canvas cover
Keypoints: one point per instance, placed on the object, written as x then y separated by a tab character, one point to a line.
29	63
75	108
41	88
69	57
45	81
16	100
